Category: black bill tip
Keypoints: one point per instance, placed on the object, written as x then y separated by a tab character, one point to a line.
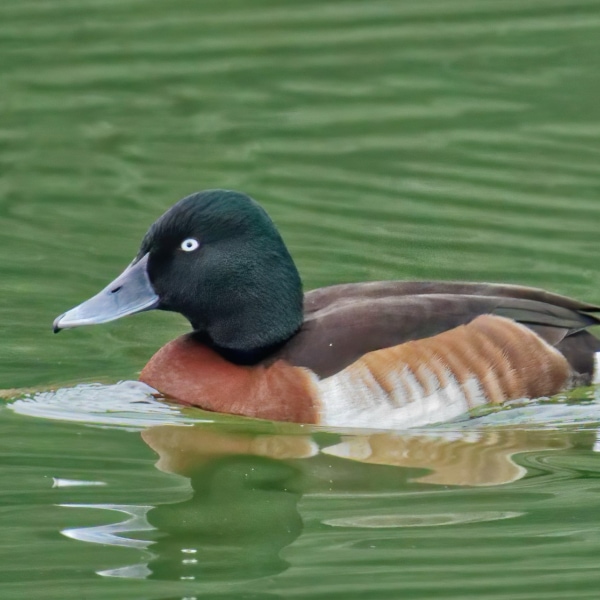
56	326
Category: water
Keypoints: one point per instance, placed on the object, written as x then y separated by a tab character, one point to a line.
456	139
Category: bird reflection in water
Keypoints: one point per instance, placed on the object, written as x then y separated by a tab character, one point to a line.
243	509
468	458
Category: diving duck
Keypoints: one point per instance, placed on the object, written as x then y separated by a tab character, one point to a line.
385	354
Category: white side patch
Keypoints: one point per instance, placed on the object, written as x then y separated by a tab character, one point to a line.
415	391
350	399
596	375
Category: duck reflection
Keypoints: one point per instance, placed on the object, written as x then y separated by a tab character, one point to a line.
245	487
469	458
243	509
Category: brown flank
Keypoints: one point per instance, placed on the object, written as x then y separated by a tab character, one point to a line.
508	360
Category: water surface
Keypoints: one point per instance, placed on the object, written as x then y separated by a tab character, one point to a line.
455	139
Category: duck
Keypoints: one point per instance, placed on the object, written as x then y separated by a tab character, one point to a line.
381	354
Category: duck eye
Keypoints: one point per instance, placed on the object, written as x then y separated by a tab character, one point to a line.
190	245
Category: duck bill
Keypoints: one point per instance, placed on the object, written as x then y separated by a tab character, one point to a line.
131	292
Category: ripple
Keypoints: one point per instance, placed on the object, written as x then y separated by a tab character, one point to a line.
128	404
430	520
106	534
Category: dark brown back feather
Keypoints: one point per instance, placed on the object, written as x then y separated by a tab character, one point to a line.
343	322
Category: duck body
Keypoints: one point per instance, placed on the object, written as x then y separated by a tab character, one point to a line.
392	354
379	354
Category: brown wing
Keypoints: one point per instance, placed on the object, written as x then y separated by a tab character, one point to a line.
344	322
321	298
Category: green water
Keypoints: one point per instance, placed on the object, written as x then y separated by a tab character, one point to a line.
455	139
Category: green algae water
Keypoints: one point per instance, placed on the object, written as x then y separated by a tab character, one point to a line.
454	139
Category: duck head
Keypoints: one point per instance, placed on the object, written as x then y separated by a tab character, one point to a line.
216	258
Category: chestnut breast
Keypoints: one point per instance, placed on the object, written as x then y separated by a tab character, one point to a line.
195	374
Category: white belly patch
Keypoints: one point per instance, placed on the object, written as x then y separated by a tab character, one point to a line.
357	399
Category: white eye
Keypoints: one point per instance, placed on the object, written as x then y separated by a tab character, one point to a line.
190	245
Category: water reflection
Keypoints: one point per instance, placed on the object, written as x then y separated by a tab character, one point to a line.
470	458
241	513
243	509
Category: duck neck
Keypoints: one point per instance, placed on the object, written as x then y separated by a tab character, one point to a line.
247	324
239	356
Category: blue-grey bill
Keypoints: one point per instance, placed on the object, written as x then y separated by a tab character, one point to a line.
131	292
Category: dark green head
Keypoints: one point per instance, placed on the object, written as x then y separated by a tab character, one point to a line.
216	258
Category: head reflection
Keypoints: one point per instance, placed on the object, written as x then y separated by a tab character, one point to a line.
242	511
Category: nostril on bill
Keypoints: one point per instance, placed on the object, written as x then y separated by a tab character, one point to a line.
115	290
